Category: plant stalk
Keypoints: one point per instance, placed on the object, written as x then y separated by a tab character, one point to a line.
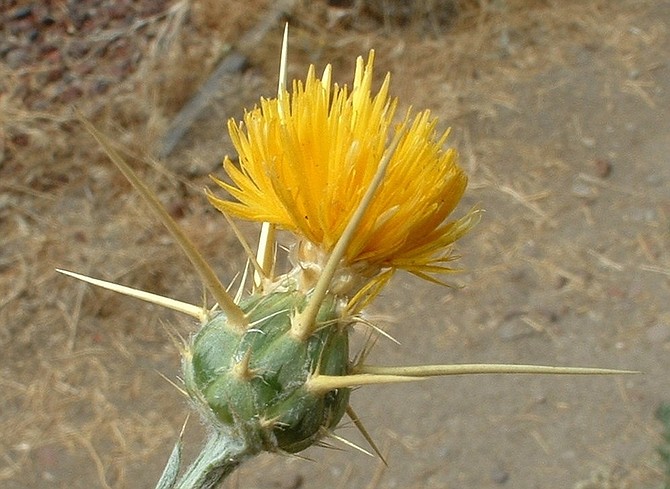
220	456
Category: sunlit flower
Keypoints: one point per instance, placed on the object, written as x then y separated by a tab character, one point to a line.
307	158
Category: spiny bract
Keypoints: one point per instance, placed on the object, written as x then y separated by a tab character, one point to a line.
253	384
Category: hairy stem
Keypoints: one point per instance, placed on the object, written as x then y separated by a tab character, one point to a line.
217	460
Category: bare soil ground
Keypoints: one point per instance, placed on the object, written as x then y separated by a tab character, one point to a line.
561	112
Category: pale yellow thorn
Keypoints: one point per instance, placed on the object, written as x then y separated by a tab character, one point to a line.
265	255
349	443
283	63
181	391
423	371
195	311
240	290
266	242
370	324
261	273
364	432
320	384
305	322
183	427
242	370
235	315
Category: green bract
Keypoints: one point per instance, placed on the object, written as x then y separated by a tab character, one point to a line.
252	385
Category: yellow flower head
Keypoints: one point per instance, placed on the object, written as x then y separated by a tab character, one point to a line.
307	158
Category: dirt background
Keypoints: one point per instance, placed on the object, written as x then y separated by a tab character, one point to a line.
561	112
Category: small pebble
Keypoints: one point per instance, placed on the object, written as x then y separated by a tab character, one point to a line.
21	139
48	20
602	167
499	475
289	481
559	281
20	13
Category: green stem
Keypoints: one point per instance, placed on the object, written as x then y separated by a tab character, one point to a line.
217	460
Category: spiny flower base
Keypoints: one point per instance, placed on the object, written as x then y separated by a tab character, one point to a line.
252	388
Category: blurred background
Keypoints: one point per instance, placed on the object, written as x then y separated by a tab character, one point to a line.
561	114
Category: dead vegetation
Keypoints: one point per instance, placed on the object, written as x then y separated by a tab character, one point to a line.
537	93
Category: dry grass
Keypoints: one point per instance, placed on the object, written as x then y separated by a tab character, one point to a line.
82	402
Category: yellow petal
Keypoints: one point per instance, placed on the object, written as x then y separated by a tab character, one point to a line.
307	157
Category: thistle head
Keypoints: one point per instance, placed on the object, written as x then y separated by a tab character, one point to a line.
364	197
307	158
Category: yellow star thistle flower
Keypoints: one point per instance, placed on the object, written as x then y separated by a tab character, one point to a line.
307	158
272	371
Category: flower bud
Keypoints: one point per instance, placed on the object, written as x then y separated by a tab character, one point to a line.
253	384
